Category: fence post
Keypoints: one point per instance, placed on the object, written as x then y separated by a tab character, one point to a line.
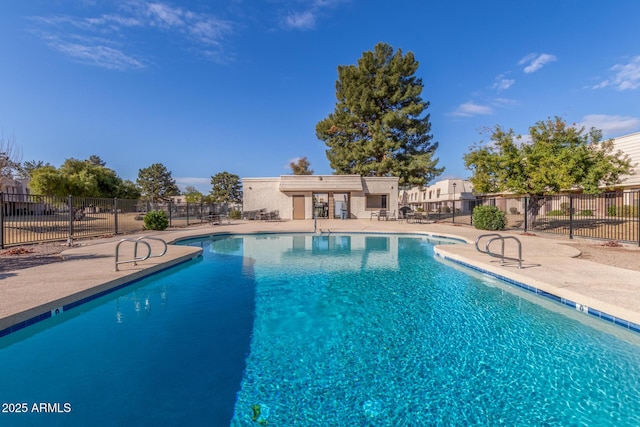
1	220
115	215
169	205
638	216
571	216
71	215
526	213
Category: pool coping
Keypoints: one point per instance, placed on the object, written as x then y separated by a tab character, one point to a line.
587	310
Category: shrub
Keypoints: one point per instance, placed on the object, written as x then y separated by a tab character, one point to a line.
625	210
513	210
445	209
156	220
556	212
586	212
564	207
235	214
489	218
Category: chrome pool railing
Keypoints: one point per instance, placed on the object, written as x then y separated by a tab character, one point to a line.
494	237
137	258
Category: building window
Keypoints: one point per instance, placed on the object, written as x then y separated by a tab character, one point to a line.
376	201
438	193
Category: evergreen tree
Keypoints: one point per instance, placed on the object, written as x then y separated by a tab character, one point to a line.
379	126
156	183
301	167
226	188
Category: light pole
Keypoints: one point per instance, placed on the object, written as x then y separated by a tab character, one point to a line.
454	202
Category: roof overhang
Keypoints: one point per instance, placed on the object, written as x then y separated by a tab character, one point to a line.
320	183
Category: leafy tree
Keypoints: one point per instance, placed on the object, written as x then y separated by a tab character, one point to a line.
554	158
301	167
128	190
192	195
49	180
378	127
90	179
226	188
82	178
156	183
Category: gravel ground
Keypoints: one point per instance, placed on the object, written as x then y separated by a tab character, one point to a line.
19	257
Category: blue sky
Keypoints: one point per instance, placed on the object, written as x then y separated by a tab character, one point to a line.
239	85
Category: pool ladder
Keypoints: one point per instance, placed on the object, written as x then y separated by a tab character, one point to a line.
136	242
494	237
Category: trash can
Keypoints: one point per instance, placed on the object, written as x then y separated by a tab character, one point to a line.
343	214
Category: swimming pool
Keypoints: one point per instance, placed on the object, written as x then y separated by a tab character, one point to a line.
321	330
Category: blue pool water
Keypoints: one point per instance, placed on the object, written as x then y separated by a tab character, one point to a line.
339	330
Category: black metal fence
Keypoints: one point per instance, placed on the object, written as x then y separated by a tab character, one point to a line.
32	218
608	216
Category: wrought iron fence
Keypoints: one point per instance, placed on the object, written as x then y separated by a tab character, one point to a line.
26	218
607	216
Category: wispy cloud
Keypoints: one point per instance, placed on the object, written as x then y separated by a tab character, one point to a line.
77	36
502	83
469	109
307	17
611	125
625	76
200	183
301	20
534	61
98	55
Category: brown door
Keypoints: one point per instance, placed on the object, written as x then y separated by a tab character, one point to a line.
298	207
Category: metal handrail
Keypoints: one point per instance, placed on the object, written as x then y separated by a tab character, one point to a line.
135	251
164	251
501	238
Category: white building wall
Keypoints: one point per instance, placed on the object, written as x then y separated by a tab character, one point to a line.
630	145
441	192
265	193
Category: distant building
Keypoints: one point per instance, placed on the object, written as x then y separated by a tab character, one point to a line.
15	197
630	145
440	196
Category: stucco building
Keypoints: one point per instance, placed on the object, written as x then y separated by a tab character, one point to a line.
322	196
441	195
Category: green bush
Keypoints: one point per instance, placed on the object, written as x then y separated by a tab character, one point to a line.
156	220
586	212
626	210
556	212
489	218
513	210
445	209
235	214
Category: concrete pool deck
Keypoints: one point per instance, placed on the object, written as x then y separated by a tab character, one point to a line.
550	265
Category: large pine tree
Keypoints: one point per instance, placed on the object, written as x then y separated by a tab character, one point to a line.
379	126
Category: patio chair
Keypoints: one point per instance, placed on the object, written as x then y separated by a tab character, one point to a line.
379	214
